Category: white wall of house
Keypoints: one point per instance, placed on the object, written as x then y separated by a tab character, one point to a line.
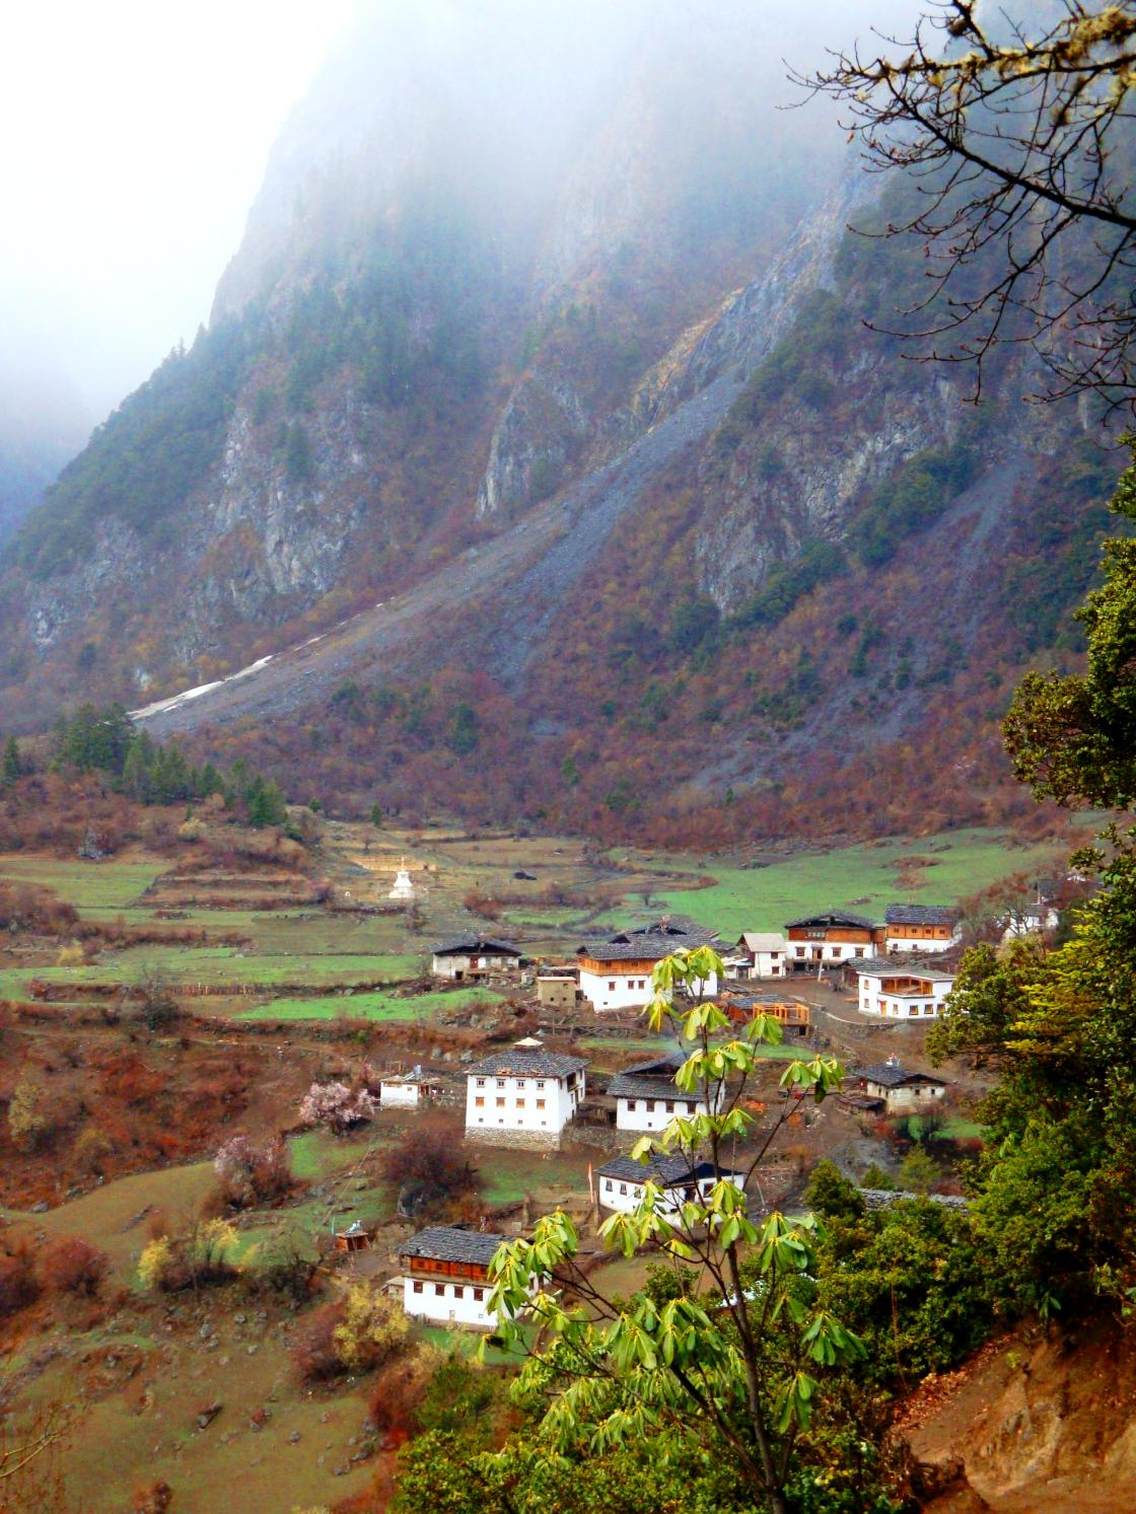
625	1196
831	952
448	1300
615	988
459	966
515	1103
769	964
907	1006
653	1114
396	1092
916	1096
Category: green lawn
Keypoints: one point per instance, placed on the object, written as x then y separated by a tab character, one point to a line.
858	877
370	1006
217	964
95	888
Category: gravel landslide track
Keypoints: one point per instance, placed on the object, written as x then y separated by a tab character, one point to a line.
495	604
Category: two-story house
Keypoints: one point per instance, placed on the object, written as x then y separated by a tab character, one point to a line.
898	990
901	1090
465	957
758	954
615	973
829	939
446	1275
920	927
620	1183
647	1097
522	1097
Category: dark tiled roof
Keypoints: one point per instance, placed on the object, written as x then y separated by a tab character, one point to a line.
652	942
901	967
890	1076
668	1064
526	1064
641	1086
833	917
476	946
667	1172
449	1243
921	914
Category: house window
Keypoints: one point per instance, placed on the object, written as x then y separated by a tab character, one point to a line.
540	1082
611	986
670	1106
608	1185
479	1103
479	1294
623	1187
800	951
632	1104
500	1082
650	1104
417	1286
520	1103
500	1103
480	1082
691	1108
440	1290
459	1291
859	951
540	1103
520	1082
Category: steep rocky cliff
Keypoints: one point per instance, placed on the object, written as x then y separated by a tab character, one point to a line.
540	386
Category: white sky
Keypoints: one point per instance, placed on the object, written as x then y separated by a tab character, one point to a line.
133	137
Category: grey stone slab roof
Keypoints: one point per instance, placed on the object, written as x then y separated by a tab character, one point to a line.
475	946
902	967
884	1198
888	1075
449	1243
666	1172
648	943
921	914
526	1064
640	1086
833	917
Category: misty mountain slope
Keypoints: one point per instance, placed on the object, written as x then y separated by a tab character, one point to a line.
550	410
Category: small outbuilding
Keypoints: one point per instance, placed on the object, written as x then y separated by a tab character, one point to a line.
465	957
900	1089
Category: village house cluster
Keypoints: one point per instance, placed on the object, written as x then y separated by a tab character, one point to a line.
528	1096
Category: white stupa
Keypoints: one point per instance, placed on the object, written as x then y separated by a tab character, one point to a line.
403	889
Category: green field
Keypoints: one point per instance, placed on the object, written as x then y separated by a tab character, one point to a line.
371	1006
859	877
95	888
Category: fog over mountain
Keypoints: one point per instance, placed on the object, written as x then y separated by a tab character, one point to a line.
539	384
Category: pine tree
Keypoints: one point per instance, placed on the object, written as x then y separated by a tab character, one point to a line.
13	766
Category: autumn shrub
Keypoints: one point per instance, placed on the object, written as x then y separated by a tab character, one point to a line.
29	1122
202	1255
431	1155
18	1284
354	1333
91	1148
399	1390
69	1264
250	1173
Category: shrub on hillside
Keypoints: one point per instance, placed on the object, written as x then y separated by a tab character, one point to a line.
29	1122
204	1254
400	1389
355	1333
18	1286
430	1154
250	1174
69	1264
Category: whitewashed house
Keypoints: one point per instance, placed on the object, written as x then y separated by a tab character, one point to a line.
829	939
899	1090
615	974
758	954
902	990
647	1097
620	1183
921	927
446	1275
407	1090
522	1097
465	957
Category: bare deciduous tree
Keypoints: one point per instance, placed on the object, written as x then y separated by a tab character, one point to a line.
1019	149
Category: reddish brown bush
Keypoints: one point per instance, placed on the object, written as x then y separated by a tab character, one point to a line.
70	1264
249	1173
431	1155
314	1354
399	1389
18	1286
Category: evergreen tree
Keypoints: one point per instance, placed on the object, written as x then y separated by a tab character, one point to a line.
13	765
